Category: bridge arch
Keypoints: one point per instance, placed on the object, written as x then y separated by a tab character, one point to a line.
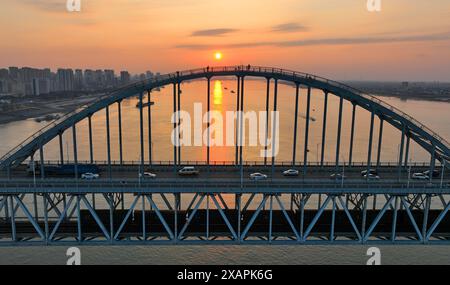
430	141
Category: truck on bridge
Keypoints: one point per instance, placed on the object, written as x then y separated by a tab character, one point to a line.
63	169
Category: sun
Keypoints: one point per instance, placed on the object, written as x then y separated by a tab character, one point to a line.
218	55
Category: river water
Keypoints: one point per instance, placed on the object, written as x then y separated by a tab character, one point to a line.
435	115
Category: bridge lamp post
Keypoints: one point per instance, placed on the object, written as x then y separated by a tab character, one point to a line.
409	172
317	153
442	173
343	171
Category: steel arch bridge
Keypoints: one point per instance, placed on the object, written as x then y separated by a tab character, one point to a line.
405	212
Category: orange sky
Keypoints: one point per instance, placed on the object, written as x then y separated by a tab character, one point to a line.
340	39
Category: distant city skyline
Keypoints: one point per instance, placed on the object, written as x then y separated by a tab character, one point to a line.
26	81
342	40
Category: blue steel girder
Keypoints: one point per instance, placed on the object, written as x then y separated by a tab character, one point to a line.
425	137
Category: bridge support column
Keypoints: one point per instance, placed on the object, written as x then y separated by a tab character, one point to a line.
61	149
91	146
238	206
119	110
400	152
267	121
241	132
150	141
141	132
394	220
425	218
274	127
432	163
333	219
75	150
324	129
369	152
408	142
308	112
175	156
179	122
238	117
46	226
338	140
352	135
294	148
110	200
208	124
380	142
108	143
41	157
13	218
364	218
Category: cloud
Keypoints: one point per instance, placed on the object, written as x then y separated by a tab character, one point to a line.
289	27
328	41
212	32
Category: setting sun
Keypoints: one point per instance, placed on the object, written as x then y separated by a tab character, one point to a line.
218	55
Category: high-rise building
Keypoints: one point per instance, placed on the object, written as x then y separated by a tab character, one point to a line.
78	79
14	72
65	79
99	78
124	77
4	73
110	78
3	86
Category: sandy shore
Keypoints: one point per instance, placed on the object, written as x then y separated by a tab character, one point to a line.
39	108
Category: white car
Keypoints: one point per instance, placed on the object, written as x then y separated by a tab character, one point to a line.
291	172
147	175
258	176
338	176
372	177
420	176
188	171
90	176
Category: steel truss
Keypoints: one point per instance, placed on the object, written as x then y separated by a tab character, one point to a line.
216	218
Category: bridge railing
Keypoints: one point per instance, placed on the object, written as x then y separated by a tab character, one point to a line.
274	186
218	69
248	163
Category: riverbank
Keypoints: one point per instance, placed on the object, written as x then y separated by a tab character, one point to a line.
35	108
